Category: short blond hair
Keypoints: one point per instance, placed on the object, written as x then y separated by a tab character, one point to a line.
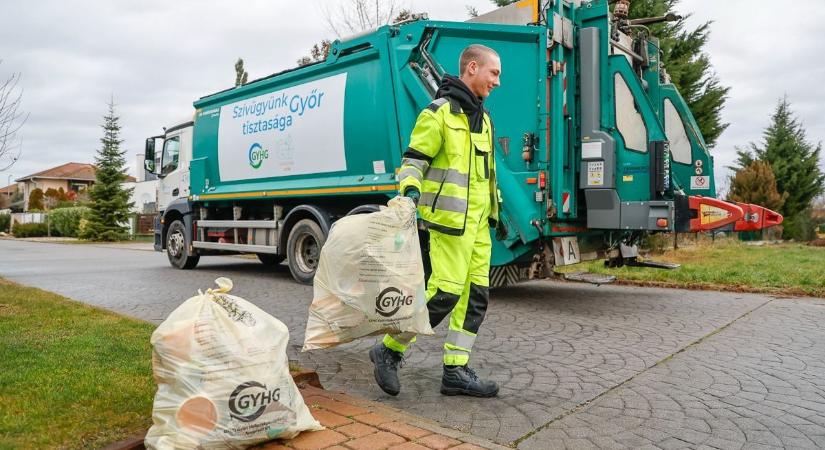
474	52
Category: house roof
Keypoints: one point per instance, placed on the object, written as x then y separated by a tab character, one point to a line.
69	171
10	189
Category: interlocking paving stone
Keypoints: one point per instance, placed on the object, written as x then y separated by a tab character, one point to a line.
773	400
574	356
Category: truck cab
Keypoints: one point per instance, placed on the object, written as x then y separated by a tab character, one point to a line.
168	156
171	162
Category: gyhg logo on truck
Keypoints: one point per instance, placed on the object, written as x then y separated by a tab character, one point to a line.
249	400
390	300
257	155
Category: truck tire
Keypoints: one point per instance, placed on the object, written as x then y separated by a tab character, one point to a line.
177	249
304	250
269	259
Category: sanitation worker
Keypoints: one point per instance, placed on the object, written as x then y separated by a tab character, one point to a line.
449	171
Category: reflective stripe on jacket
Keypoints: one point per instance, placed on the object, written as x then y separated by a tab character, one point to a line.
438	163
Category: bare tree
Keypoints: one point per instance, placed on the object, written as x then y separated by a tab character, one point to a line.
11	121
354	16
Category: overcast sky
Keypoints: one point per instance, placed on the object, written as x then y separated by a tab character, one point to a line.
157	56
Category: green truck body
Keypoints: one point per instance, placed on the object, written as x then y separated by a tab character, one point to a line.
594	146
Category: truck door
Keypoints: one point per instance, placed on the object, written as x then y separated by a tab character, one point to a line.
174	169
514	107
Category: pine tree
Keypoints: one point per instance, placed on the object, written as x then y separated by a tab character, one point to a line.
756	184
109	209
795	163
689	68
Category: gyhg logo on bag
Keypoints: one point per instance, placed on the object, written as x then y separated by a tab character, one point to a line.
390	300
249	400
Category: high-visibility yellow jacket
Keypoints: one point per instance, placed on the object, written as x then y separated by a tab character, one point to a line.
438	162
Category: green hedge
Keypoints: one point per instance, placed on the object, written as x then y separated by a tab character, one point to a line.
5	221
22	230
66	221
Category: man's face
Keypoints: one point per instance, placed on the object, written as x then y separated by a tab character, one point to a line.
483	76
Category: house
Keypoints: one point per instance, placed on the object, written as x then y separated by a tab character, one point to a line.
72	177
6	195
144	190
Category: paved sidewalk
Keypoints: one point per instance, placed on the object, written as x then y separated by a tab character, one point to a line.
356	424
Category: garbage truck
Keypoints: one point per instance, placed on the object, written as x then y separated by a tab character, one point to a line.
594	146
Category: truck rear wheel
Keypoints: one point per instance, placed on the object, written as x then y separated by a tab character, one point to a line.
177	249
304	250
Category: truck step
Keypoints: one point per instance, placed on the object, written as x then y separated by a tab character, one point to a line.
633	262
588	277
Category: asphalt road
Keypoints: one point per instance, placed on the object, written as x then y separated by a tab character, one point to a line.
580	366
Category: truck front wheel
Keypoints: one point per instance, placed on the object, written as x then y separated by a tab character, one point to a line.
177	249
304	250
268	259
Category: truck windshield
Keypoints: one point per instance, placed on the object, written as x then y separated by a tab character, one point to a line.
171	150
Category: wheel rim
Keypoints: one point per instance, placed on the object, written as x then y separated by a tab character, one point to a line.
307	252
175	244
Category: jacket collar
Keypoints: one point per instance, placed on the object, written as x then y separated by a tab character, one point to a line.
455	108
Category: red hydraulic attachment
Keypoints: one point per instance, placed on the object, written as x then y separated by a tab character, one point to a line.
710	213
756	218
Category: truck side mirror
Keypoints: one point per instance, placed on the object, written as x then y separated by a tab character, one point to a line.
149	155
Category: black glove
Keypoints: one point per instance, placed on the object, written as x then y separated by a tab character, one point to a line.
413	194
501	229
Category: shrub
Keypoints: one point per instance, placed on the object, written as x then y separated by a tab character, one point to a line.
36	200
66	221
22	230
5	221
53	196
657	243
800	226
70	204
822	228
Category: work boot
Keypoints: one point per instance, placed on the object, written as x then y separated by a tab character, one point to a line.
386	363
462	380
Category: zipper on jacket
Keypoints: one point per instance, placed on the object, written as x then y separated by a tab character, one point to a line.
437	194
471	158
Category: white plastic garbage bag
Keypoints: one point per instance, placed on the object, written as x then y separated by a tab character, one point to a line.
223	376
370	279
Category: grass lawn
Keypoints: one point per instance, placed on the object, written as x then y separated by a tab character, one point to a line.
785	269
71	376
